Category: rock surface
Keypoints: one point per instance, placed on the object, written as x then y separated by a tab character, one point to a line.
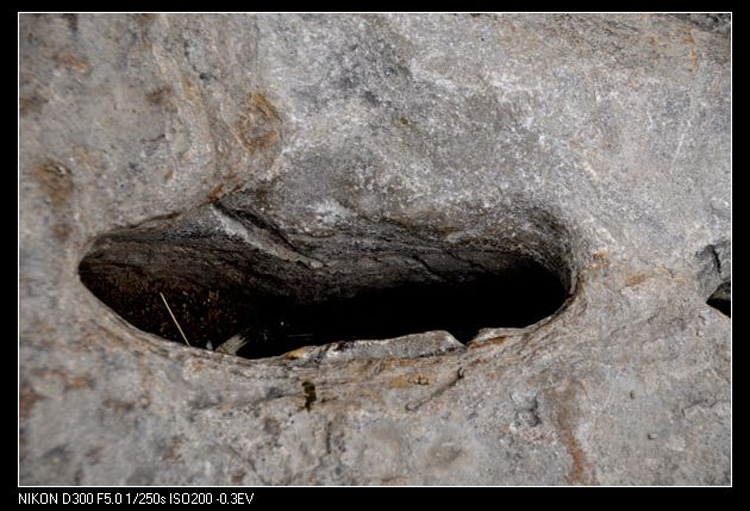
346	147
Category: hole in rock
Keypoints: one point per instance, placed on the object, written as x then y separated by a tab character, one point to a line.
280	292
721	299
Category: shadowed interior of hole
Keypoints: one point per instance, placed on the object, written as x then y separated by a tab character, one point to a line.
514	299
721	299
517	297
723	306
217	288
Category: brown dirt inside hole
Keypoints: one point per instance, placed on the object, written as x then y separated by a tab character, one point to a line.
204	313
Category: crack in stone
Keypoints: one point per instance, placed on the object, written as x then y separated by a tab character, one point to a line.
415	405
717	260
264	237
437	276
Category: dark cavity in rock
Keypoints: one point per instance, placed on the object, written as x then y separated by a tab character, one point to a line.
226	270
721	299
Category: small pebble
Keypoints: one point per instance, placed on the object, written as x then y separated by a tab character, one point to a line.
652	436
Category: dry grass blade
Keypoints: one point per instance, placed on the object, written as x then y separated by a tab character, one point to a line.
173	318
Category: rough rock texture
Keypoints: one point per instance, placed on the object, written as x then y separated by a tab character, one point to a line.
349	147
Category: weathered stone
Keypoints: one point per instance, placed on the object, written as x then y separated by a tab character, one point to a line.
409	346
317	157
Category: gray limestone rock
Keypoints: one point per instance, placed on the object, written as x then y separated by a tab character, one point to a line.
564	180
